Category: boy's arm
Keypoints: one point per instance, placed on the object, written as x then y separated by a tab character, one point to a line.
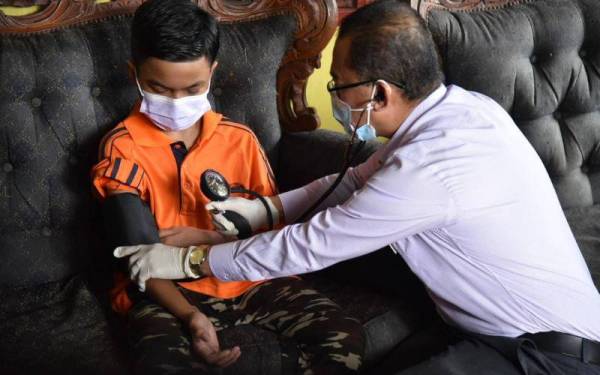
166	294
204	336
134	223
190	236
120	183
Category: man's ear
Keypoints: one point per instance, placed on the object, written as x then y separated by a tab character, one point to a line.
214	66
383	92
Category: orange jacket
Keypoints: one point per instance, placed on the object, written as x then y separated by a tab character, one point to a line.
138	156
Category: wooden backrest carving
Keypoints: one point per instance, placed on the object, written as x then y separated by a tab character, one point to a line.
316	19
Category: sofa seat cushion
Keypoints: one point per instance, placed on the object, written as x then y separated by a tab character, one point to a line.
56	328
585	223
379	290
261	350
387	320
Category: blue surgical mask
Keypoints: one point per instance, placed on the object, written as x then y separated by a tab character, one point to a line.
173	114
343	113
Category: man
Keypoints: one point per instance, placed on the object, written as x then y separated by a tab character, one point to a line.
157	155
457	191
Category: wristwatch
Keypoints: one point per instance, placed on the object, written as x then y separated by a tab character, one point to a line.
196	258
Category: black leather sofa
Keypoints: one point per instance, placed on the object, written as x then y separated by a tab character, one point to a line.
63	84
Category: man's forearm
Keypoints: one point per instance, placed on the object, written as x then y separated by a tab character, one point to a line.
166	294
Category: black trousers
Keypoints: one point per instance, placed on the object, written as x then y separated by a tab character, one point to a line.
439	349
477	354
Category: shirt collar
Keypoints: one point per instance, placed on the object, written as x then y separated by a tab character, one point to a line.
410	124
145	133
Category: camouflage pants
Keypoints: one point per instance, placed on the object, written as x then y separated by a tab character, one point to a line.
325	341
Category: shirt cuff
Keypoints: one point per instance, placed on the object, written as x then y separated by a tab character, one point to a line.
293	202
222	264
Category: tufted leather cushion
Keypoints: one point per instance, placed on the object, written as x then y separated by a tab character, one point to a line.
60	91
585	223
323	153
541	61
56	328
245	82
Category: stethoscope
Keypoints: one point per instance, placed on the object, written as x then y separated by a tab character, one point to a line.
216	188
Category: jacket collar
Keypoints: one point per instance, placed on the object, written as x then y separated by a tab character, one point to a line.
145	133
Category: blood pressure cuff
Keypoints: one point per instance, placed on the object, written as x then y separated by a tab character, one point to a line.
128	221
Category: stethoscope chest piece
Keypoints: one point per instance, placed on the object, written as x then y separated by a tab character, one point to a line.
214	185
216	188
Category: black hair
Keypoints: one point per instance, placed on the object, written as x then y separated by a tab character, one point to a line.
173	30
390	41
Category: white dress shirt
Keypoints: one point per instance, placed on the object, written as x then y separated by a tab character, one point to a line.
462	196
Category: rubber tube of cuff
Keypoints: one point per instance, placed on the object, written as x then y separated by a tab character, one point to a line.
263	200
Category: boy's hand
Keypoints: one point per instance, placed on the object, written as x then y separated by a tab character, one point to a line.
190	236
206	345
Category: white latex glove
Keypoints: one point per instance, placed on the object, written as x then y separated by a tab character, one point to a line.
156	261
251	209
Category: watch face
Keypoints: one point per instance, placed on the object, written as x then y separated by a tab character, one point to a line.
217	185
214	185
196	256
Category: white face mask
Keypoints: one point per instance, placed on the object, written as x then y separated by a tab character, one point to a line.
173	114
343	113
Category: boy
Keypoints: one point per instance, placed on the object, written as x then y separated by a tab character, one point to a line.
159	153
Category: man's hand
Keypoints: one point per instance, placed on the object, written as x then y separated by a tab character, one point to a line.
190	236
156	261
251	209
205	343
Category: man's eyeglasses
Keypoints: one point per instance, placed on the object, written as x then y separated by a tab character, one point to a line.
331	86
